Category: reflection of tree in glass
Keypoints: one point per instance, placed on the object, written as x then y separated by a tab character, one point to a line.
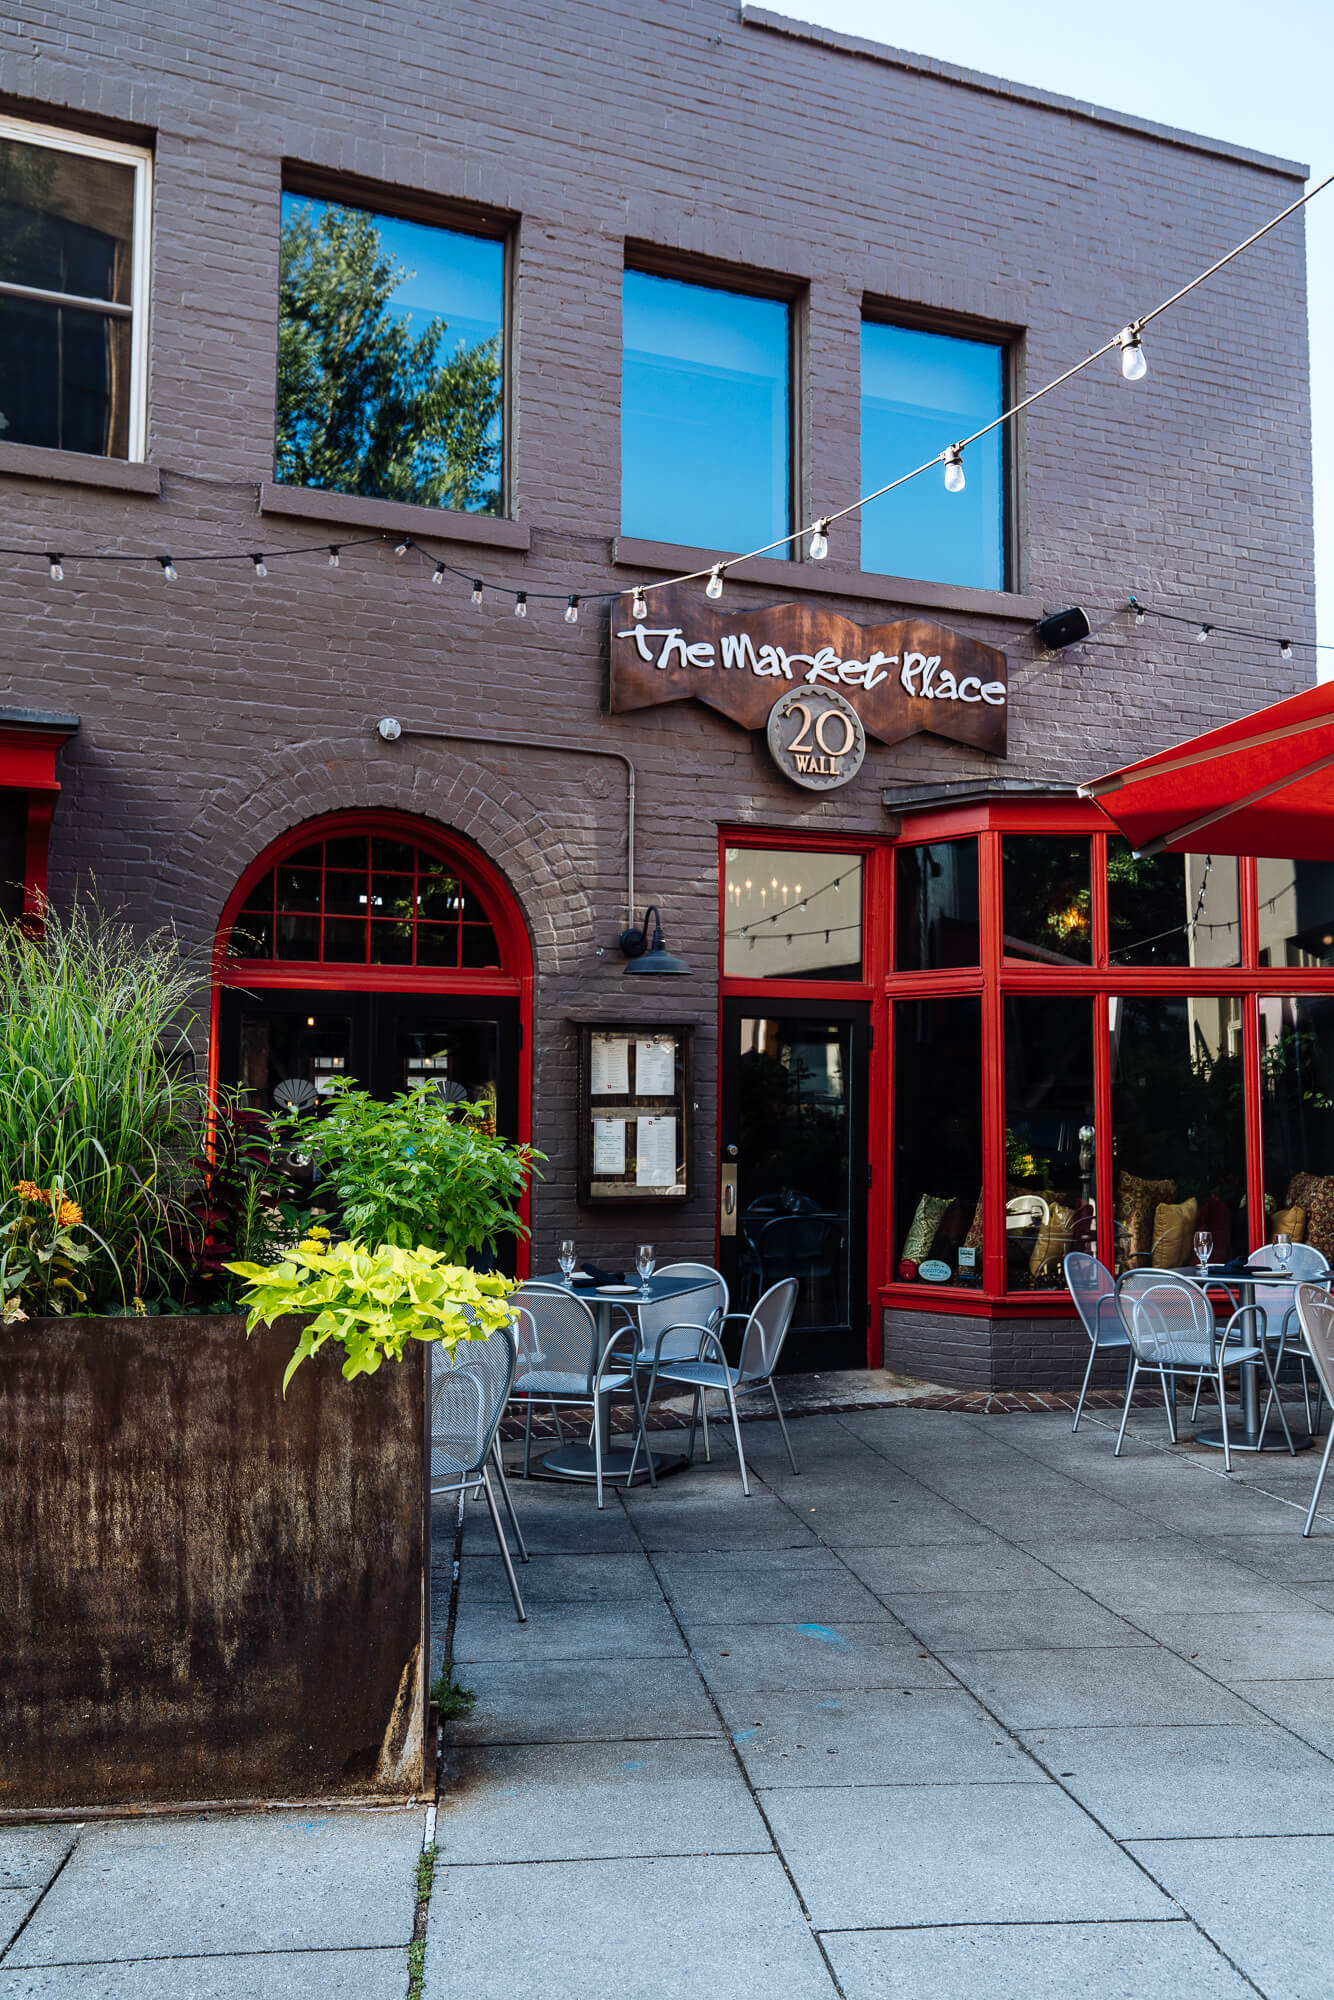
363	407
1047	898
1147	915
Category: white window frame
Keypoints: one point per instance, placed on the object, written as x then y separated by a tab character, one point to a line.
59	139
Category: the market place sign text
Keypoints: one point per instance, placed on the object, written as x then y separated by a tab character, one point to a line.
902	679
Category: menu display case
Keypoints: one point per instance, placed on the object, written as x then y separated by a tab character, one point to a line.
634	1091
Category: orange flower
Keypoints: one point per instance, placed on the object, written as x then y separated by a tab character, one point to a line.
29	1191
69	1214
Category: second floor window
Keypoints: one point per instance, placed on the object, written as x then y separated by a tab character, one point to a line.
921	393
390	358
705	415
73	291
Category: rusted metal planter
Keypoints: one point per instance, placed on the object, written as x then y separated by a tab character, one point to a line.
207	1593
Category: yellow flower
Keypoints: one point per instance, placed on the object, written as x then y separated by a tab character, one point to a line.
311	1244
317	1232
69	1214
29	1191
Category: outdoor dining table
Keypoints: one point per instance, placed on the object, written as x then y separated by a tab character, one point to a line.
1240	1285
576	1461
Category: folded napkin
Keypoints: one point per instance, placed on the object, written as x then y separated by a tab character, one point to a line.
595	1275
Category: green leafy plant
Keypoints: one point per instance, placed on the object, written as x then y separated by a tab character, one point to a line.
417	1170
98	1093
374	1301
451	1699
245	1201
41	1259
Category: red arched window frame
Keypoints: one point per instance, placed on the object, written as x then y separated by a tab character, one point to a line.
512	979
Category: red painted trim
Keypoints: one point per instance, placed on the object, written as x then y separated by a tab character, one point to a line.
972	1303
36	853
478	871
28	759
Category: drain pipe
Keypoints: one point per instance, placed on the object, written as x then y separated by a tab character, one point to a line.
391	730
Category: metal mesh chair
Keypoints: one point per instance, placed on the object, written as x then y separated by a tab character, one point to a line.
1173	1331
662	1332
468	1397
562	1363
761	1346
1093	1289
1315	1315
1278	1302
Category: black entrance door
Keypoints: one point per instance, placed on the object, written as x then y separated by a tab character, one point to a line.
382	1041
794	1168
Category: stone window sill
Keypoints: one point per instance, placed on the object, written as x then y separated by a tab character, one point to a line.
80	468
805	579
394	517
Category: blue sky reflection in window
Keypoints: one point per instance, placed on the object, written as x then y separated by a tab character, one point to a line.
922	392
705	416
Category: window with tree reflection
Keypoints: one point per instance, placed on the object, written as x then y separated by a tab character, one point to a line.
1171	909
1047	899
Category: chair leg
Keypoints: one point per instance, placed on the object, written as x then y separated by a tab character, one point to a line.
1079	1406
527	1437
1319	1481
597	1449
508	1499
1125	1414
736	1433
694	1419
704	1423
1195	1406
504	1547
1222	1414
778	1412
1306	1396
1169	1401
1273	1397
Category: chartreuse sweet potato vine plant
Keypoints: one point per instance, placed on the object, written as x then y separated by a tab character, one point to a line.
372	1301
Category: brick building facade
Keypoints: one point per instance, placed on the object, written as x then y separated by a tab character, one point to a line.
219	712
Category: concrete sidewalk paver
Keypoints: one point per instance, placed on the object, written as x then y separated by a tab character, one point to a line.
30	1855
1166	1782
1135	1961
568	1701
1263	1902
577	1630
1053	1687
723	1926
278	1882
782	1658
880	1736
1011	1620
376	1974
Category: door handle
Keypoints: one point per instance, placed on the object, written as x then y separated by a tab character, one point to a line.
727	1187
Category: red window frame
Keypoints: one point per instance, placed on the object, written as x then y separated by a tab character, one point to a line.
513	979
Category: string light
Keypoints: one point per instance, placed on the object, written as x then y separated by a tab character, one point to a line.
1213	629
1285	649
572	610
57	569
168	569
714	586
820	541
638	604
1203	633
261	567
521	605
953	462
401	548
334	557
439	573
1134	361
477	593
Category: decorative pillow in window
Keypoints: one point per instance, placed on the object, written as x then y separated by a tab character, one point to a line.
1136	1200
1300	1189
973	1240
1215	1216
1173	1233
1054	1238
922	1229
1320	1216
1289	1222
1083	1228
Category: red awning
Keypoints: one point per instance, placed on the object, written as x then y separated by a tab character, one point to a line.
1264	785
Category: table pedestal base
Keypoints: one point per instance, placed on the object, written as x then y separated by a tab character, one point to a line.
576	1461
1240	1440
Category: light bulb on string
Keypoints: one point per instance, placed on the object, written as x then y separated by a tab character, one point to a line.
1140	613
714	586
57	569
820	541
1203	633
477	593
401	548
572	610
521	605
334	556
261	567
953	463
638	604
438	573
168	569
1134	361
1285	649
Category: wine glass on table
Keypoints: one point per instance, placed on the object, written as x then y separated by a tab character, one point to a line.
1283	1250
644	1262
1204	1250
567	1259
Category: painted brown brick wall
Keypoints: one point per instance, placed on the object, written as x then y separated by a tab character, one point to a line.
218	711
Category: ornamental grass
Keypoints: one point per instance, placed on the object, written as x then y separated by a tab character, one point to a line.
98	1096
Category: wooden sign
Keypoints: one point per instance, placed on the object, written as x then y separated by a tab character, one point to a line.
903	679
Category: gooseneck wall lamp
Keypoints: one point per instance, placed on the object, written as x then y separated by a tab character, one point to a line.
647	954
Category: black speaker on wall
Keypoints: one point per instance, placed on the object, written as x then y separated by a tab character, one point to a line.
1063	628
